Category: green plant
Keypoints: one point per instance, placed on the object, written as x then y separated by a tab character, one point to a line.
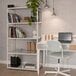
33	5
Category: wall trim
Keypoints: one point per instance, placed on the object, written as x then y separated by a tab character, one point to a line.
50	65
63	66
3	62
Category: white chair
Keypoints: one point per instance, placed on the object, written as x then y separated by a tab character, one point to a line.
54	49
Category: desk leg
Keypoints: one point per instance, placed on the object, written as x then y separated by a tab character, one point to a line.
43	57
38	60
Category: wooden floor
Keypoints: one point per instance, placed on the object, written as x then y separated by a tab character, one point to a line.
7	72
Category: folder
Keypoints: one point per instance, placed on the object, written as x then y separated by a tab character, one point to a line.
28	46
33	47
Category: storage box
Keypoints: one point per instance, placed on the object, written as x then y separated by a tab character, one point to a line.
72	47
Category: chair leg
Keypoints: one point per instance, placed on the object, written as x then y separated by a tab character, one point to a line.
63	74
58	71
65	71
56	74
50	72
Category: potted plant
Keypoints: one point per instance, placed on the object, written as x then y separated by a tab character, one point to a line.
33	5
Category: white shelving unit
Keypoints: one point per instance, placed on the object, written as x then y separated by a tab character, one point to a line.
17	46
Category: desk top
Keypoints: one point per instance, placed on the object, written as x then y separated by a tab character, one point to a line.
42	45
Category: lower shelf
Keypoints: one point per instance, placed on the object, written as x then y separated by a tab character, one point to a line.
22	67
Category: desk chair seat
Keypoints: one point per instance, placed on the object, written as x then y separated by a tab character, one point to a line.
54	49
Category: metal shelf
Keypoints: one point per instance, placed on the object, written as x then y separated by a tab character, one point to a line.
28	38
17	8
22	23
21	68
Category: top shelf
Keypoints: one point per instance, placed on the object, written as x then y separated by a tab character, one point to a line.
17	8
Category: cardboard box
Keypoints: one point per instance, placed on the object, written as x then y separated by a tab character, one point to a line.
72	47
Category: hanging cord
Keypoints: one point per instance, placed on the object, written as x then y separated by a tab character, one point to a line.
53	3
46	2
53	9
46	5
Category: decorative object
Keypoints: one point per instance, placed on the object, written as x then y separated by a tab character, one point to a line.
16	32
15	61
11	5
34	33
43	37
26	19
46	37
33	5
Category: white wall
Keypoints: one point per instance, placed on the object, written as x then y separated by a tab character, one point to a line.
2	32
3	25
65	20
65	17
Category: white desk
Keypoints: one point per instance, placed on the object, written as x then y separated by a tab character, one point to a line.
42	46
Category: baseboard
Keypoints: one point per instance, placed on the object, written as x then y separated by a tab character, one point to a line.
51	65
63	66
3	62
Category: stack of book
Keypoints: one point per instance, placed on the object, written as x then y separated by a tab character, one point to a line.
13	18
31	47
15	32
30	66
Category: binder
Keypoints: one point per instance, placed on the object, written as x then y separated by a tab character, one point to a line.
33	47
28	46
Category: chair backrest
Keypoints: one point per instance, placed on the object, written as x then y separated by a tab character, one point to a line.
54	46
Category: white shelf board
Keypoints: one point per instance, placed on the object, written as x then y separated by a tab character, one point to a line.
22	23
9	67
30	69
21	68
19	23
30	38
21	52
15	8
27	39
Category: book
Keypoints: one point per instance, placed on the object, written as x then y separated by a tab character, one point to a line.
28	46
16	18
33	47
30	66
20	33
9	18
9	32
13	32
